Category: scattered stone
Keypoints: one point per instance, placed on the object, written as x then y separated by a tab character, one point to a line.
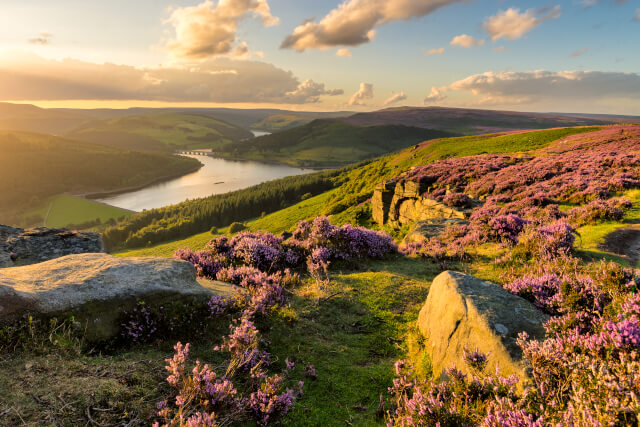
24	247
96	289
463	311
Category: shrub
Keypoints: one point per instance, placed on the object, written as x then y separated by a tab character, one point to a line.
236	227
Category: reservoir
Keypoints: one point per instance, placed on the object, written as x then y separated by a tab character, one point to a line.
215	177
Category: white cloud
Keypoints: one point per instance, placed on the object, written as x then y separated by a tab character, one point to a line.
365	92
511	24
637	17
27	77
343	52
353	22
539	86
435	95
395	97
438	51
208	30
464	40
309	91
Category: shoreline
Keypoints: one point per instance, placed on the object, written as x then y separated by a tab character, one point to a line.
101	195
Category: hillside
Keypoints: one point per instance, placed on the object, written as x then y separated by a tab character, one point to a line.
29	118
68	166
160	132
466	121
329	143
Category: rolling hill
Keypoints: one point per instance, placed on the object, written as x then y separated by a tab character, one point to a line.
29	118
329	142
160	132
470	121
68	166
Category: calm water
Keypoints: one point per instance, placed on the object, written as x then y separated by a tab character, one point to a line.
215	177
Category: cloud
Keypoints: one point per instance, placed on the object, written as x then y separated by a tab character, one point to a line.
43	39
500	49
579	52
343	52
464	40
395	97
438	51
353	22
637	17
434	96
365	92
208	30
511	24
539	86
27	77
309	92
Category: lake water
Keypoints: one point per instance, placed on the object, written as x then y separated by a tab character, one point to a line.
215	177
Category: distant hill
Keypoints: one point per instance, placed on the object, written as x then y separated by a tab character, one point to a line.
34	167
469	121
160	132
29	118
250	118
329	143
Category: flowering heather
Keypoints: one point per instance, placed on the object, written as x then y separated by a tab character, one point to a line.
587	369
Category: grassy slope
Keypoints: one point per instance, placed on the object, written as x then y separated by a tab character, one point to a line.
329	142
161	132
351	331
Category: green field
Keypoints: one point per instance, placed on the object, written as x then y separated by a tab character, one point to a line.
161	132
64	210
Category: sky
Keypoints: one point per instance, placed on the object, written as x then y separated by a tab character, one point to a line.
323	55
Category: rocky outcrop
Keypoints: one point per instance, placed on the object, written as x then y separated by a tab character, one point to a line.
96	289
400	203
463	311
422	231
24	247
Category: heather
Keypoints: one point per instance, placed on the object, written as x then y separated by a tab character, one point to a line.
586	369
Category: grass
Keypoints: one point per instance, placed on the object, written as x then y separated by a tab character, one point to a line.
592	237
65	210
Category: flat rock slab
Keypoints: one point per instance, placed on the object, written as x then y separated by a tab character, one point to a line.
96	288
422	231
463	311
23	247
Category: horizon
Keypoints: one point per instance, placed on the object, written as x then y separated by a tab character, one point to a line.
355	55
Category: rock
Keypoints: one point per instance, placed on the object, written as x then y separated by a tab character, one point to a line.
96	289
42	244
424	230
402	203
463	311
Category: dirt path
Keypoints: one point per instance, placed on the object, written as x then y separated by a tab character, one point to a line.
624	242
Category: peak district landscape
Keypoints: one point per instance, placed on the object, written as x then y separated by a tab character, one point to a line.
320	213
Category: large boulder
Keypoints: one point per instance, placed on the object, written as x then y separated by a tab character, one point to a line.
24	247
463	311
96	289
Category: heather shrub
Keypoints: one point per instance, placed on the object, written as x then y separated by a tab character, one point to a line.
457	200
598	211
